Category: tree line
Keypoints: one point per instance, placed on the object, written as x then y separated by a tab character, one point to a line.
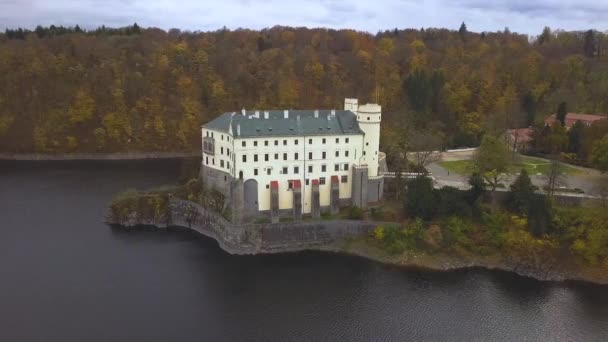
145	89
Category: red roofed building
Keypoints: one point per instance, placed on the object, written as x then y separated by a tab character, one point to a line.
520	138
572	118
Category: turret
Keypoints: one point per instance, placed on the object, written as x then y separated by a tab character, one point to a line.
369	117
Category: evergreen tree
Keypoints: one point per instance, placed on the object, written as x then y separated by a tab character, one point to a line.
478	187
420	200
522	193
462	30
562	111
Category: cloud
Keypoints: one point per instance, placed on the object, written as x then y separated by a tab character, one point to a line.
480	15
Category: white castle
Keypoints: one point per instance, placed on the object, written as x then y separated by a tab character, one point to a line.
294	162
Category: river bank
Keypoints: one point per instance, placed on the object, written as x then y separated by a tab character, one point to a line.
96	156
353	237
445	262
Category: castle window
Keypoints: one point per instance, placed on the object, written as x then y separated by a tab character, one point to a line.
309	155
268	171
244	158
267	186
324	140
347	140
310	141
323	168
213	161
367	144
255	172
228	165
228	152
337	140
337	153
346	167
346	153
206	160
336	167
295	142
276	156
222	137
309	168
285	142
255	143
295	156
265	142
290	185
284	170
296	169
244	144
322	180
221	163
307	181
276	143
364	153
207	133
255	157
368	118
284	156
344	179
266	157
221	150
324	155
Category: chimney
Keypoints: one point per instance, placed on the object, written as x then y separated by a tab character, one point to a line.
286	114
266	114
238	129
316	113
243	111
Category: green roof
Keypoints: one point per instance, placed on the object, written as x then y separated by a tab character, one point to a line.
299	122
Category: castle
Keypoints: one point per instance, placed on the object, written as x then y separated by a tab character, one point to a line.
290	163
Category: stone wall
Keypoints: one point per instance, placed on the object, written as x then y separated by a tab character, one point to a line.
215	179
264	238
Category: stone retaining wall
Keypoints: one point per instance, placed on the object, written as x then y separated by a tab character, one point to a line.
264	238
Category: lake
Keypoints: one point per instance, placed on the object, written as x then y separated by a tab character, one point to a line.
67	276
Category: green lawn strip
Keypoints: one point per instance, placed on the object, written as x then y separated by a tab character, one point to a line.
533	165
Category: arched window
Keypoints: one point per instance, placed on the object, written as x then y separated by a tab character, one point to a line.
241	175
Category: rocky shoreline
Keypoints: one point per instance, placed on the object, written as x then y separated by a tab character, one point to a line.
96	156
340	236
442	262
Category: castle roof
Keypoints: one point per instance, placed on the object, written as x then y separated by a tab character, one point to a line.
248	124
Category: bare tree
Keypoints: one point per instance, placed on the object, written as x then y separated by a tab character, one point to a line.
425	146
555	177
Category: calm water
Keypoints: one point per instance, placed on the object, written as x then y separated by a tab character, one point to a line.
66	276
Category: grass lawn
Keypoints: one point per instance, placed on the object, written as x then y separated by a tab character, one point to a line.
533	165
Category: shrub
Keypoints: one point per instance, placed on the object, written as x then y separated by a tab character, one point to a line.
355	213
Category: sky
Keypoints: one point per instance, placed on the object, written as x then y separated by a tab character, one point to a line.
522	16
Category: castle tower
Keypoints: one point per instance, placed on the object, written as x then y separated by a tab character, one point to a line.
369	117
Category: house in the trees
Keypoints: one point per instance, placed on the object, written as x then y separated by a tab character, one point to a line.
572	118
294	162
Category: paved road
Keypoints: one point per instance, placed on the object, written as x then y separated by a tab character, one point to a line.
586	181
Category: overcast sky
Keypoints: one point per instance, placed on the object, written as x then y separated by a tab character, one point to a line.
524	16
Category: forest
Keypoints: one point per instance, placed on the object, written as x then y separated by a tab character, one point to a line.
145	89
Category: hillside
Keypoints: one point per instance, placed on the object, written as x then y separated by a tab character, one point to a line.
133	89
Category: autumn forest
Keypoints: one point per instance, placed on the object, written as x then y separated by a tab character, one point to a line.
135	89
